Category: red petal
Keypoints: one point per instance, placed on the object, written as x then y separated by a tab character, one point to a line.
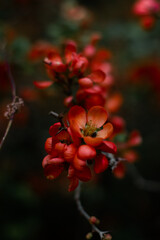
73	184
60	148
76	139
45	160
97	115
80	65
53	171
85	82
70	152
97	76
107	146
71	172
55	161
85	174
81	95
68	101
63	135
94	90
94	100
54	61
48	145
86	152
54	128
78	163
101	163
106	131
77	119
43	84
93	141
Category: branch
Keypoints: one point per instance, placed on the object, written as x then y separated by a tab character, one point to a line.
140	182
60	119
102	234
16	103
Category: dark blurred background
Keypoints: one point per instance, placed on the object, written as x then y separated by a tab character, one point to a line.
32	207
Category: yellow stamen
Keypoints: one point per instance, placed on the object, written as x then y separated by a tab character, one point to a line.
89	129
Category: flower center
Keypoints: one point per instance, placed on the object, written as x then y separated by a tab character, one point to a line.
90	130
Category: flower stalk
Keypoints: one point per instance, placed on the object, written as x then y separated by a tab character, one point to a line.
102	234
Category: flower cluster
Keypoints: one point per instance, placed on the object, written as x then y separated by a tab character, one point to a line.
84	142
64	70
78	145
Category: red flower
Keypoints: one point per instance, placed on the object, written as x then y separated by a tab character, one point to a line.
61	154
75	63
146	7
91	126
93	129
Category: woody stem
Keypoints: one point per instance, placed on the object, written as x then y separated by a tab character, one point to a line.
13	87
86	215
59	117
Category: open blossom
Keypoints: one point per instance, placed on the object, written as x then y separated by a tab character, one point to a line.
91	126
78	145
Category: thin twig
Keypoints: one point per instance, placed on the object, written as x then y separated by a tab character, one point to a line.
60	118
6	132
140	182
86	215
16	102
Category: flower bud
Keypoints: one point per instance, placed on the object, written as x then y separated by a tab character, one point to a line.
107	236
89	235
94	220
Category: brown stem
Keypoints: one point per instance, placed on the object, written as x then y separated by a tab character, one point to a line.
14	97
138	180
6	132
60	119
86	215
